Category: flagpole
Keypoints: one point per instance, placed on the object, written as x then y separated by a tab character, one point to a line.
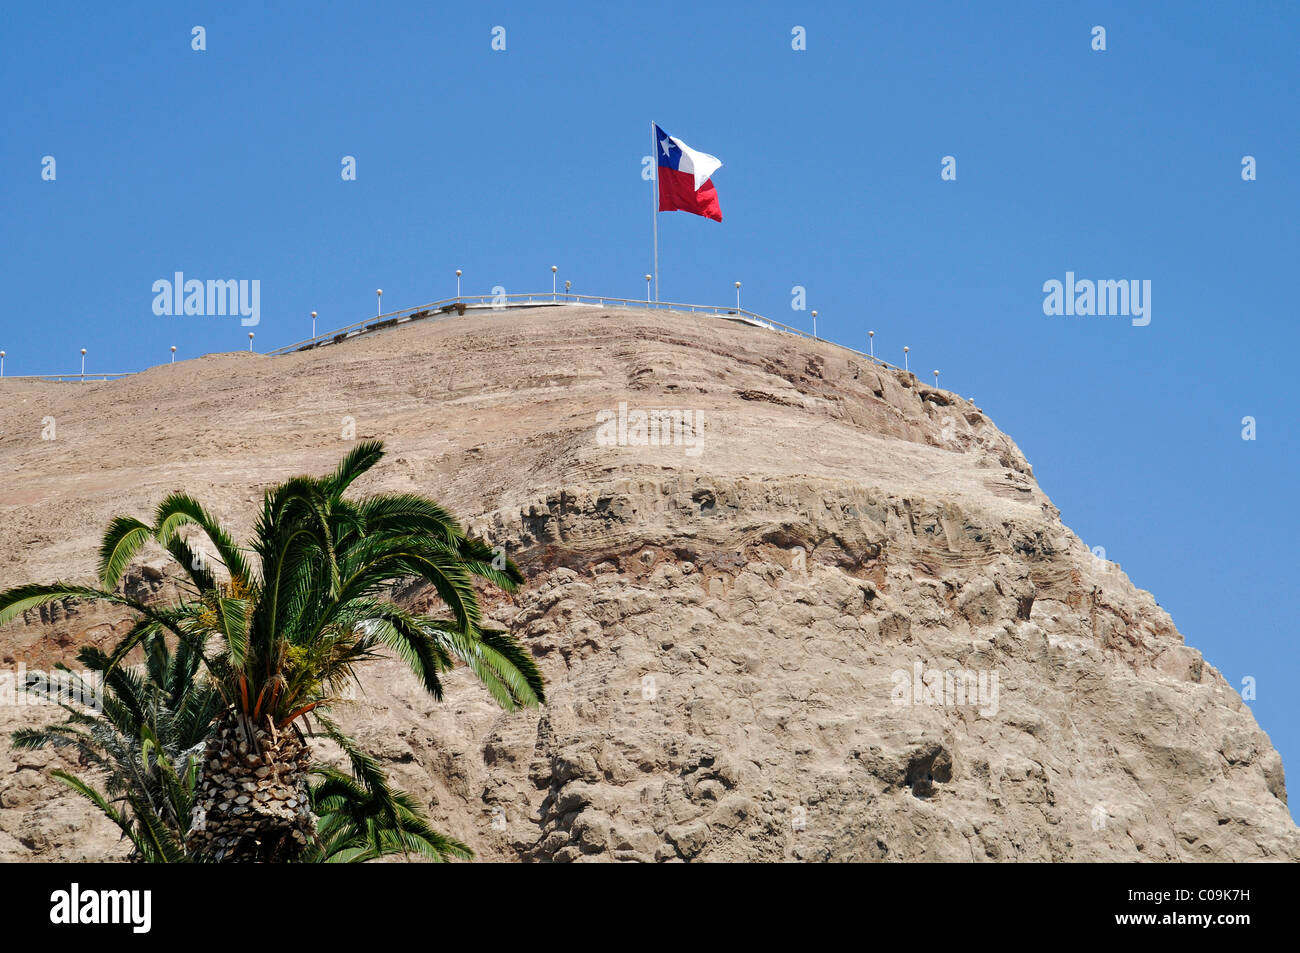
654	209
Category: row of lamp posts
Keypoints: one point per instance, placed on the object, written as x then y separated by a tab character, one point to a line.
379	297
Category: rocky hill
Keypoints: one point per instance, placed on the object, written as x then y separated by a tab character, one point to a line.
830	617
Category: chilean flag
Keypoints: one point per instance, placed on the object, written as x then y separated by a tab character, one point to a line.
684	184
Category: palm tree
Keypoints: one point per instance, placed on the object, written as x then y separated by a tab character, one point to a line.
147	737
292	632
151	720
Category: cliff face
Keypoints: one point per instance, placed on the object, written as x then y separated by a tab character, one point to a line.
830	617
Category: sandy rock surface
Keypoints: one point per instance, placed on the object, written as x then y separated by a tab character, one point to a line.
838	620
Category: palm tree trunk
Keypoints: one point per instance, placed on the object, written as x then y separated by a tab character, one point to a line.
253	804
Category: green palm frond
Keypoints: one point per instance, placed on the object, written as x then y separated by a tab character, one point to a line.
122	541
357	824
406	513
357	461
504	667
14	602
180	509
488	563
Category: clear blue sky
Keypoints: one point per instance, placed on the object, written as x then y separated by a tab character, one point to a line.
1117	164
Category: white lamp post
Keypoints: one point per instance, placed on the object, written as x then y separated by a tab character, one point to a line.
871	343
553	296
250	341
737	295
83	363
457	284
905	350
814	325
379	301
936	378
647	288
313	325
173	353
2	363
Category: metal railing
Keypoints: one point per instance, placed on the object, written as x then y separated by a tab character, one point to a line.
454	307
60	378
448	307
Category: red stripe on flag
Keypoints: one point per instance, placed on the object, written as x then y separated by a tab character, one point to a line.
677	194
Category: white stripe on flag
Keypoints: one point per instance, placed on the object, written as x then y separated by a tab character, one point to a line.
701	164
